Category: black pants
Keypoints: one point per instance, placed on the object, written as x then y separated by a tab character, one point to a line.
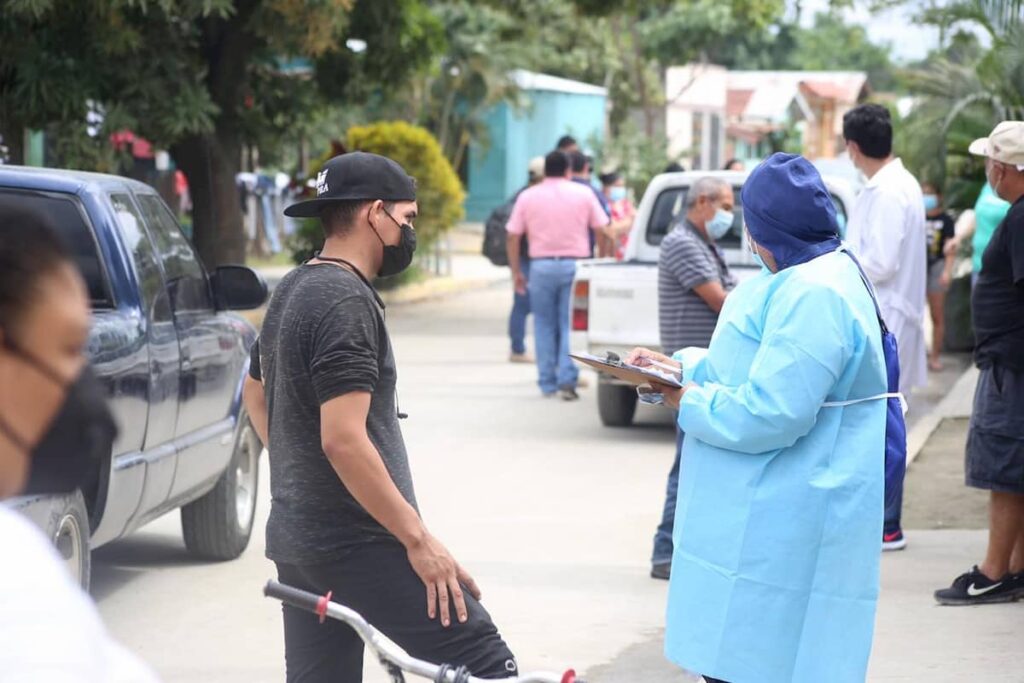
377	581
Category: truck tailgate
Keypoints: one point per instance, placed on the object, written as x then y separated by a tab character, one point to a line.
623	311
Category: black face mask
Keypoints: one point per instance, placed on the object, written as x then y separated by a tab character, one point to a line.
80	436
397	257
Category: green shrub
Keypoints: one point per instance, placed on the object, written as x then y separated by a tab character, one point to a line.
438	191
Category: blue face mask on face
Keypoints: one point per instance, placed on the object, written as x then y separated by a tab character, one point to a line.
757	257
617	193
720	224
931	202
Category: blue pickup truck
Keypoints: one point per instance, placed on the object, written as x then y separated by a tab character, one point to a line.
172	358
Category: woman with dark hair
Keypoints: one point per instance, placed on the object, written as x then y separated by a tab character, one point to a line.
54	426
775	566
616	194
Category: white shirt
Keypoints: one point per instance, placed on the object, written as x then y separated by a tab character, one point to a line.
50	631
886	232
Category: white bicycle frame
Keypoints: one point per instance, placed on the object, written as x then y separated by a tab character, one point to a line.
395	660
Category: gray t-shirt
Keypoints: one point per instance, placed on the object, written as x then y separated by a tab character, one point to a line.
686	261
324	336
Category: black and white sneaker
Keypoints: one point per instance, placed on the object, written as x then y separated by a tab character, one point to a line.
568	394
974	588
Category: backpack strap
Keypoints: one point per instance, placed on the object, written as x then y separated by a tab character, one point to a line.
871	289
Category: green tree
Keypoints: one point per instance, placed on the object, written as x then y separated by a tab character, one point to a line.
962	93
203	77
830	45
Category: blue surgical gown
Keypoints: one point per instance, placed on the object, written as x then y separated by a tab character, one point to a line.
778	529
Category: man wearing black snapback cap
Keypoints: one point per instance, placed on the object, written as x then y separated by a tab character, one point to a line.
321	395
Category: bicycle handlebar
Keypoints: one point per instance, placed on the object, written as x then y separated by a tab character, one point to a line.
391	656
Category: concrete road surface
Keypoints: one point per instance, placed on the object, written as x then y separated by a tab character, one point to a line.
550	511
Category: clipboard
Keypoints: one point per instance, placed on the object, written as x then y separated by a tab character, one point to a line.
631	374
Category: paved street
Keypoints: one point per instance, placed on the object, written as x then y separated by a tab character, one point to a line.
551	512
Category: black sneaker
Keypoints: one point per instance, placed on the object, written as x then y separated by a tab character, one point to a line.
662	570
568	394
974	588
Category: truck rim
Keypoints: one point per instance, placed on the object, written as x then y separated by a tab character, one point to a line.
246	467
68	540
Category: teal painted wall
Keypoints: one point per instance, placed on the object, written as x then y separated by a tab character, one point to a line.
496	171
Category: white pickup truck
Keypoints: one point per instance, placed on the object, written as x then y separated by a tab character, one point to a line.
615	303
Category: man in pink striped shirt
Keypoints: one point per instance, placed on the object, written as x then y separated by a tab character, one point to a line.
556	216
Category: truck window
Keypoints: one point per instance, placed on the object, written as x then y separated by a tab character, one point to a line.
147	268
72	224
670	208
186	279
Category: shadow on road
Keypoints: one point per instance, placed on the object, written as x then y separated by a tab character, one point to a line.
117	564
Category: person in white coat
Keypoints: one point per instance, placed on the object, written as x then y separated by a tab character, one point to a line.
886	231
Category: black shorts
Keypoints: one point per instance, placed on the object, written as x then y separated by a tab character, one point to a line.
377	581
995	440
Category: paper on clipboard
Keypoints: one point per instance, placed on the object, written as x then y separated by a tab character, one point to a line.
631	374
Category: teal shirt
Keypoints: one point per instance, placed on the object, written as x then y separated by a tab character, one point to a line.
989	212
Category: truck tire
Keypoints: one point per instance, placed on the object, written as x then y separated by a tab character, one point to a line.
68	528
218	525
616	404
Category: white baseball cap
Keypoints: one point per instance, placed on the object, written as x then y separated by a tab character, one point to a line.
1004	144
536	167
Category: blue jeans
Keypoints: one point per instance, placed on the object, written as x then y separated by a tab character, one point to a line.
517	318
550	290
663	536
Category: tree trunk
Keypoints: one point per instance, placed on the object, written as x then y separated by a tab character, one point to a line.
211	163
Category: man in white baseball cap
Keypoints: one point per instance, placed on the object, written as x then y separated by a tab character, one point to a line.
995	440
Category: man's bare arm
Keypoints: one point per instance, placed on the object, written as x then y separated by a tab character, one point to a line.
713	294
359	466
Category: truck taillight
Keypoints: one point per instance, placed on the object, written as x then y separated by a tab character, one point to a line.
581	306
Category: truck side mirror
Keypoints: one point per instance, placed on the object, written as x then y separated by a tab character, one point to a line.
237	288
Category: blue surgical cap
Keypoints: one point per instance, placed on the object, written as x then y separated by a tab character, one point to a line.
789	211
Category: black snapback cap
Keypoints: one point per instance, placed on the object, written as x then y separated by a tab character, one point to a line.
356	175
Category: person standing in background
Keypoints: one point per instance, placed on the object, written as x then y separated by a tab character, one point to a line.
693	281
886	232
623	212
521	301
557	216
995	438
940	230
567	144
582	169
989	211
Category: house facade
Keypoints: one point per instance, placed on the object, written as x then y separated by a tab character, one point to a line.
713	114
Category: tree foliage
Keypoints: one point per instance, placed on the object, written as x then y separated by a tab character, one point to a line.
203	78
963	91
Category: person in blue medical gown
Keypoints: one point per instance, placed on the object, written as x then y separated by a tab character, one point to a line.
775	574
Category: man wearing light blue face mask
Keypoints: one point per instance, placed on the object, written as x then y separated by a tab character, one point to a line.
693	281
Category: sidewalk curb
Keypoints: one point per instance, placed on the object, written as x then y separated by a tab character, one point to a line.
950	406
436	288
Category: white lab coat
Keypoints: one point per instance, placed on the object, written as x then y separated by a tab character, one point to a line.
886	232
51	630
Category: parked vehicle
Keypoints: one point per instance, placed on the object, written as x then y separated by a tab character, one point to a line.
172	359
615	304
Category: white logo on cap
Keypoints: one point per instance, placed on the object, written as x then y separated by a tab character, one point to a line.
321	183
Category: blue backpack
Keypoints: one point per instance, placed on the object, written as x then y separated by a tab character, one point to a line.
895	424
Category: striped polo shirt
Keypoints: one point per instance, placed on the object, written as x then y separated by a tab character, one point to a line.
687	260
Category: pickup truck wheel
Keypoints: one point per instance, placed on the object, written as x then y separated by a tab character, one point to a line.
68	527
616	404
218	525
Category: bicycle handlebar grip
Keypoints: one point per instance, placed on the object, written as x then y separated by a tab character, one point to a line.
293	596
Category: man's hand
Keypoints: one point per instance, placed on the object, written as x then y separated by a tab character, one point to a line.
945	279
443	578
520	282
642	358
